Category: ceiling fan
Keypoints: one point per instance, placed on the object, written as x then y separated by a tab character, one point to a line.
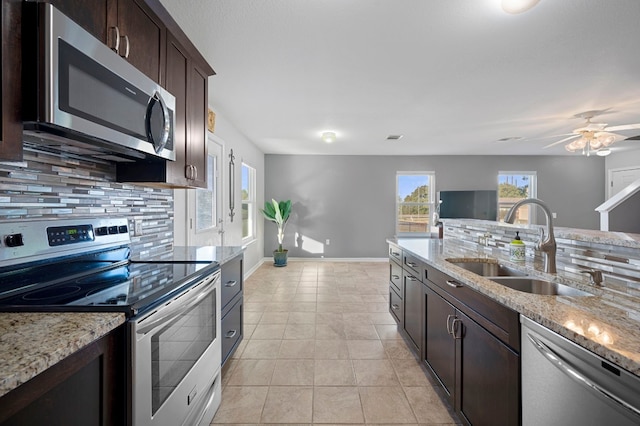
593	137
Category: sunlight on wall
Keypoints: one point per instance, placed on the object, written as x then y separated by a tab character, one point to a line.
309	244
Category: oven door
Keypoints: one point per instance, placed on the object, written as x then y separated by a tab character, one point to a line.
176	355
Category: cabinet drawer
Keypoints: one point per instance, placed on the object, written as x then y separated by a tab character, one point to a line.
412	264
395	277
395	305
495	317
231	327
395	253
231	280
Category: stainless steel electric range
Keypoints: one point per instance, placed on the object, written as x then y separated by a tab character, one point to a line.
172	305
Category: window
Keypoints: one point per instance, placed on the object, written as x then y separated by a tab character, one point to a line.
415	196
513	187
206	198
248	201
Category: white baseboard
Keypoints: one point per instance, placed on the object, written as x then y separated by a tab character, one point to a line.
248	273
330	259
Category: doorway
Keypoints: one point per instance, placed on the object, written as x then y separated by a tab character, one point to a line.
204	223
621	178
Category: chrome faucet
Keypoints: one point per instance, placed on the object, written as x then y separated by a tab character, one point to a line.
596	276
546	245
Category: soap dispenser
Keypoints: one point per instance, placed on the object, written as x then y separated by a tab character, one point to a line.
517	249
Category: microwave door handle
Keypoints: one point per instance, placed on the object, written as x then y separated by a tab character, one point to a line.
166	127
166	314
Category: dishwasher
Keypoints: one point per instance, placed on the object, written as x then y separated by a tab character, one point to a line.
565	384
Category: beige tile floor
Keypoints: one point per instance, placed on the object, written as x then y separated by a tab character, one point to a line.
321	348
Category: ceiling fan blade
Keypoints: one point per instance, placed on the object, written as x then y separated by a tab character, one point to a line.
560	141
622	127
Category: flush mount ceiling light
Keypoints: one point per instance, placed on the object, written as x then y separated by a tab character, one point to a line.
603	152
518	6
394	137
329	137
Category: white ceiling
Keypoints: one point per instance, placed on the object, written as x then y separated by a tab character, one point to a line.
452	76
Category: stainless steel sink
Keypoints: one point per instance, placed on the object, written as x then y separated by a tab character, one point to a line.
537	286
488	269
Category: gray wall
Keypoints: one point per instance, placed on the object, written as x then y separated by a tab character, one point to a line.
351	199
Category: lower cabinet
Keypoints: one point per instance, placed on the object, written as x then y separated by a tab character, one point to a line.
479	371
84	389
232	305
413	309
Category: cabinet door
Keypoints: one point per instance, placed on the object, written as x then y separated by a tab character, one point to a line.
413	293
11	81
89	14
440	347
488	388
145	36
177	71
197	123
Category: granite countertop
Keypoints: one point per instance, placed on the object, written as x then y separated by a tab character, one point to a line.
203	254
32	342
607	323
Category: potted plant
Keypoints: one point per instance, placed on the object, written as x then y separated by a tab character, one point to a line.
278	212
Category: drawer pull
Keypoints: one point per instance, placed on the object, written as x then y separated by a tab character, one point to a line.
412	278
395	306
231	283
393	253
395	277
230	334
412	264
454	284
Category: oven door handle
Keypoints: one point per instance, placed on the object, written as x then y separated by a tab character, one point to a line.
179	305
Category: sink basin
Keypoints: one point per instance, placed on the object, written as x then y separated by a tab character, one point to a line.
488	269
537	286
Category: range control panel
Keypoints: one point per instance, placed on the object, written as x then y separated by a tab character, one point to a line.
43	239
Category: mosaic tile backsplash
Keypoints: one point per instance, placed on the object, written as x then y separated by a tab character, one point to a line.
57	185
616	254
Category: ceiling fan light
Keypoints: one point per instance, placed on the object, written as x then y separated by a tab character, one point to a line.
596	144
570	148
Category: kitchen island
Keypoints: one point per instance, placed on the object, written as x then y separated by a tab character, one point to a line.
612	313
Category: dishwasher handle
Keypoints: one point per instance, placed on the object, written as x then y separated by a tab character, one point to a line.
576	375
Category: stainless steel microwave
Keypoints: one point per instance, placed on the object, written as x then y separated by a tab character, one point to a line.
76	89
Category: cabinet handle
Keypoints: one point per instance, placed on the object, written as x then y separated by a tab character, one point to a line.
126	50
453	283
195	172
393	253
449	328
395	277
412	278
230	283
230	334
454	328
412	264
395	306
117	39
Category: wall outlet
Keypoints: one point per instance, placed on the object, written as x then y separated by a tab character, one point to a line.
327	242
554	215
137	228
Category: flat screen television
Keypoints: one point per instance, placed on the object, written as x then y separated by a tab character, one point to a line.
481	204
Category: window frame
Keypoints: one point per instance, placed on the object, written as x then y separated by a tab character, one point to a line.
430	204
250	202
533	190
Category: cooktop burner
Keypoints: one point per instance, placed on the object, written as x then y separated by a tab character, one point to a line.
92	275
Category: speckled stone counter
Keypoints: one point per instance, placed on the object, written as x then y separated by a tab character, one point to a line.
218	254
32	342
607	323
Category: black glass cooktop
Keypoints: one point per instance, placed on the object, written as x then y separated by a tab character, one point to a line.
105	281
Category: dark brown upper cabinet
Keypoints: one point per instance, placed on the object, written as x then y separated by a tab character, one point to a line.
11	81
